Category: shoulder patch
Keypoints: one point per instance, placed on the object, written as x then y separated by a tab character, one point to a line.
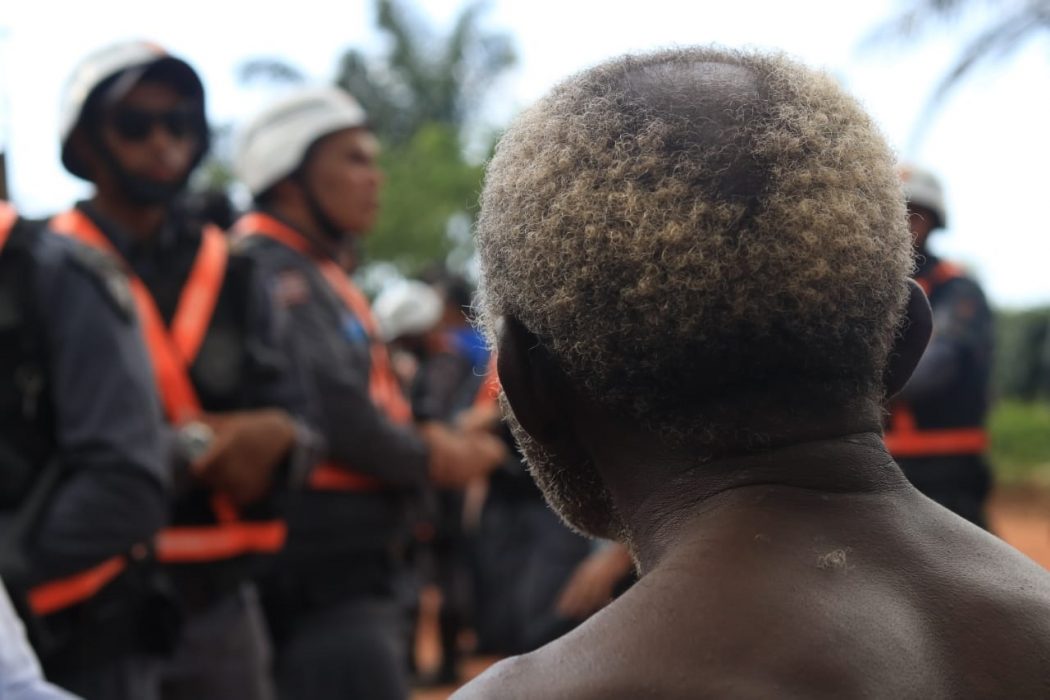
290	288
108	274
354	330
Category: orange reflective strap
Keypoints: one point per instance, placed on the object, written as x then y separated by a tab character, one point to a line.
905	439
254	223
205	543
176	391
935	443
382	384
169	369
57	595
328	476
488	392
172	352
200	294
942	272
8	216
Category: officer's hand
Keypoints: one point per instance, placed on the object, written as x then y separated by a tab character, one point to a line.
591	586
457	457
248	447
479	418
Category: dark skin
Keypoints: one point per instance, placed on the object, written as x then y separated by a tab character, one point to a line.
250	444
811	569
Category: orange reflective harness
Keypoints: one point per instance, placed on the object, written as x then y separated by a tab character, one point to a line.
172	352
383	387
904	437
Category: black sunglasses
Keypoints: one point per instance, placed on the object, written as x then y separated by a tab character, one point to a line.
133	124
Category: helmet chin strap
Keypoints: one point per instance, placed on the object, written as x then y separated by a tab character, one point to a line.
137	189
328	228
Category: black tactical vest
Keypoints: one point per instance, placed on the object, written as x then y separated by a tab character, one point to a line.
26	411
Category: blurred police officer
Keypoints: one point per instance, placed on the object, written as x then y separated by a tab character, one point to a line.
82	474
134	126
310	163
936	428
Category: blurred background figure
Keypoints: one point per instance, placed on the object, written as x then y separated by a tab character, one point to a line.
310	162
442	361
135	129
83	474
936	429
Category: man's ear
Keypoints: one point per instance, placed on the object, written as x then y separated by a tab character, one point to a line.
911	342
535	388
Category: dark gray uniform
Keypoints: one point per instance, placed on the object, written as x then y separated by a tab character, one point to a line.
948	396
340	630
223	649
84	476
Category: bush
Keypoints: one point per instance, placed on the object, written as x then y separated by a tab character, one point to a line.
1022	355
1020	434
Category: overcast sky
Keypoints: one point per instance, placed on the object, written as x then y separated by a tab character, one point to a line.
990	143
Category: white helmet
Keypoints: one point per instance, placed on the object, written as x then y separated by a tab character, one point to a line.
120	67
407	308
924	189
274	144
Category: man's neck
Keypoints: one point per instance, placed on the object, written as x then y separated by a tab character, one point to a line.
305	225
141	222
658	508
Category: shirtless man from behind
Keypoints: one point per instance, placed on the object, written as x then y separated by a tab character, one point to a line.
695	266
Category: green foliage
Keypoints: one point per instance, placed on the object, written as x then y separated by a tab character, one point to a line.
215	173
1020	433
420	96
1022	355
425	78
428	183
1019	423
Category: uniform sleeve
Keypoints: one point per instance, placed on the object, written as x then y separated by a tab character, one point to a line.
355	432
276	378
962	337
108	423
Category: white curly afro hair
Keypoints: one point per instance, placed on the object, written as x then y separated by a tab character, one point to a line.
695	235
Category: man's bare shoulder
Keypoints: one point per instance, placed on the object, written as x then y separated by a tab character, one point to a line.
515	677
633	649
588	662
843	616
573	668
